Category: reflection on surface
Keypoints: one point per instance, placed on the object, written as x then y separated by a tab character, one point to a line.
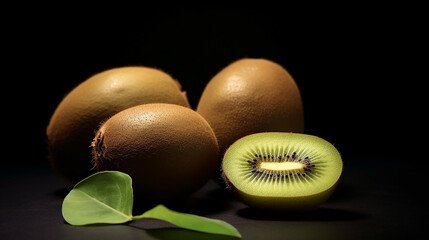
321	214
103	231
97	232
179	234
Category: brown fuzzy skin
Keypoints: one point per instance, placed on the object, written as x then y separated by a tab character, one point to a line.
76	119
168	150
251	96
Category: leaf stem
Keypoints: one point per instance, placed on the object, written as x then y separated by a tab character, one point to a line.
190	221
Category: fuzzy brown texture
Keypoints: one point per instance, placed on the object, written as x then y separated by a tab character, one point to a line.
251	96
168	150
77	117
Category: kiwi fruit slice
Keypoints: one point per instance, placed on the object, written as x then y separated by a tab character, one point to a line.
282	171
250	96
169	151
76	119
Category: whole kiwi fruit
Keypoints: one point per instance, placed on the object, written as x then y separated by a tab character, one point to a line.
251	96
282	171
77	117
168	150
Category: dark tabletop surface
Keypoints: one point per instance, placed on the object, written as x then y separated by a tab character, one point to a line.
348	64
374	203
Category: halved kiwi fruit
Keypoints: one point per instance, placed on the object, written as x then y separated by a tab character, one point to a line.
282	171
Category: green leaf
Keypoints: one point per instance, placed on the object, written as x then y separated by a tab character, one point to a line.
104	197
190	221
107	197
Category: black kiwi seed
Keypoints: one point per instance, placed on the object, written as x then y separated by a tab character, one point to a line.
280	175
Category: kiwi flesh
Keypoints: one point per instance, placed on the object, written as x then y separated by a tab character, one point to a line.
169	151
79	114
282	171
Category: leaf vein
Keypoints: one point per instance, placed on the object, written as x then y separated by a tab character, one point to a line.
105	205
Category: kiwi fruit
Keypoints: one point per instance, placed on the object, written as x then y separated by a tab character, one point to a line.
77	117
169	151
282	171
251	96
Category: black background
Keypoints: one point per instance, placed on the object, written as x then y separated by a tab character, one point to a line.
346	63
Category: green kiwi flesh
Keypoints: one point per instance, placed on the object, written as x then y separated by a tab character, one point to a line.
282	171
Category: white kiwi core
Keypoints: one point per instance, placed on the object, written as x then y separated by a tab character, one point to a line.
281	166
